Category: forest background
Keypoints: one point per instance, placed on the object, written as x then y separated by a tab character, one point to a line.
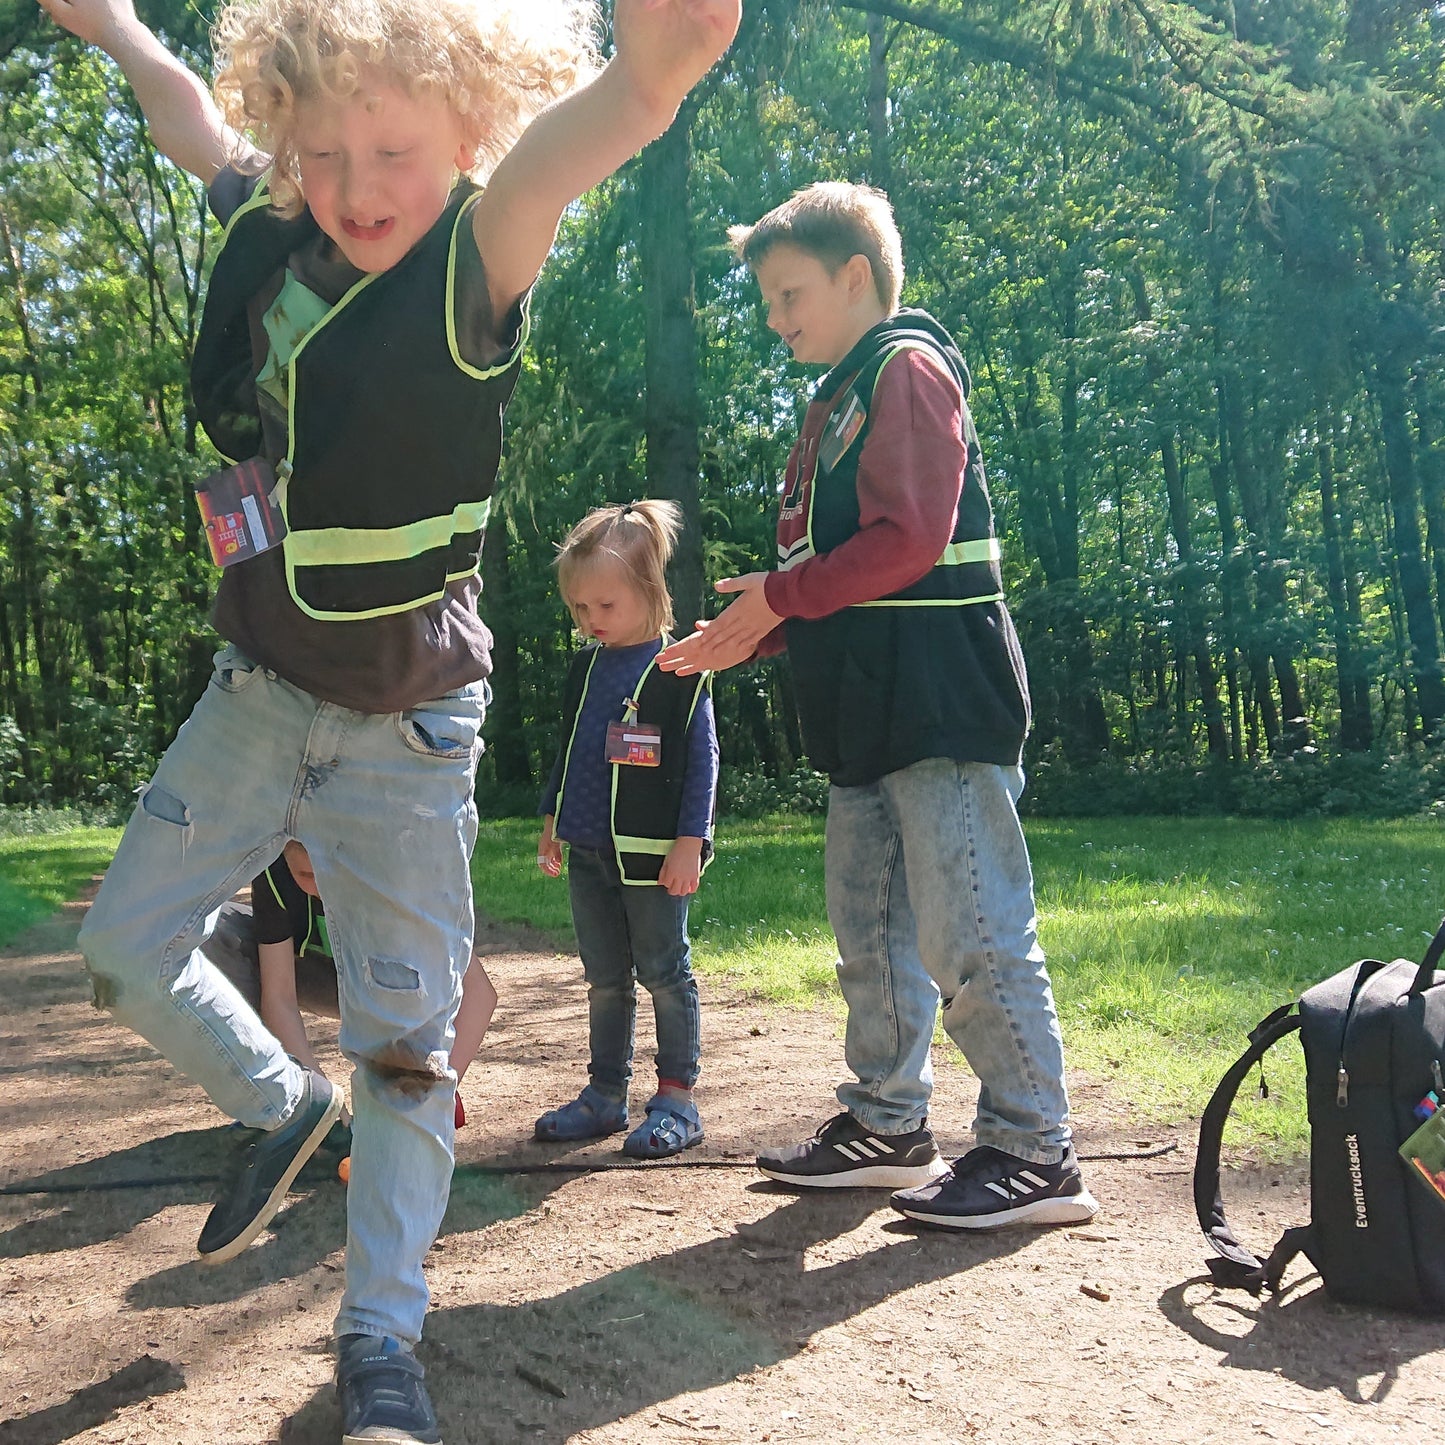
1193	253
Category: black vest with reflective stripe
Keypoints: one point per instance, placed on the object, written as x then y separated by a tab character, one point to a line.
646	802
934	670
394	440
968	570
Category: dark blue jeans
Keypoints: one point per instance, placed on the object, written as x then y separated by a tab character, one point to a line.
629	934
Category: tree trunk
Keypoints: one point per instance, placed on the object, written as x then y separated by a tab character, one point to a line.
672	411
880	164
506	735
1354	686
1409	546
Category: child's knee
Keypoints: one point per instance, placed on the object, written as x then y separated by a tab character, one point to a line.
407	1067
108	959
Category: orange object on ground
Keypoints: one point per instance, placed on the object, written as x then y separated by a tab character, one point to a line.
343	1170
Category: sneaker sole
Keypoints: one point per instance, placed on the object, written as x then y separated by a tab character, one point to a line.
872	1176
267	1212
1073	1209
388	1437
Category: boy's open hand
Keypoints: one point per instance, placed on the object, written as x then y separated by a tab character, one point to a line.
669	45
94	21
731	637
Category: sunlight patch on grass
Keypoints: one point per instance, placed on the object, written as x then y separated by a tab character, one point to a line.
39	872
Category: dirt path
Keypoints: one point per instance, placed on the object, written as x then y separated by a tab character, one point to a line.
651	1304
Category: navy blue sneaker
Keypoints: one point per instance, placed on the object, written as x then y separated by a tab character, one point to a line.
382	1390
845	1155
987	1189
264	1169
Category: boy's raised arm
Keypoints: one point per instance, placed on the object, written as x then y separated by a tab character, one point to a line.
664	47
185	122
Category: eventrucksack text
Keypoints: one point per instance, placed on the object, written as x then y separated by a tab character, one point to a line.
1374	1040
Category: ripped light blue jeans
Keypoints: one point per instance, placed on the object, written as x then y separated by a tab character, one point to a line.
383	803
931	897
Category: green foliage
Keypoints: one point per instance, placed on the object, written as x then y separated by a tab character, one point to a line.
1167	941
1306	784
46	859
1192	254
755	795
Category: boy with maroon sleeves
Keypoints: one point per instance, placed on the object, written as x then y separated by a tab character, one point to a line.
913	699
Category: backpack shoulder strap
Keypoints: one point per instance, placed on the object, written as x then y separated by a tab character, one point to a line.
1235	1266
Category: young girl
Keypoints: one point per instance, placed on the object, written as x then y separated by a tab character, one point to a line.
361	336
632	794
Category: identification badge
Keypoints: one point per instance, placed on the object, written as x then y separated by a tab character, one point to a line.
240	513
841	430
1424	1153
636	744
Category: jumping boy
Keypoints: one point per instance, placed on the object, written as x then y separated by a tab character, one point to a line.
360	340
913	699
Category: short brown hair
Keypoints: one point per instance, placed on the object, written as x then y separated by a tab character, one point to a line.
638	537
834	221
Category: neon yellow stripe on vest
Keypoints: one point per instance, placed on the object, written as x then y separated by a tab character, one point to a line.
340	546
959	554
659	846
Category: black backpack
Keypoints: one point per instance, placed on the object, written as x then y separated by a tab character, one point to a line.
1374	1040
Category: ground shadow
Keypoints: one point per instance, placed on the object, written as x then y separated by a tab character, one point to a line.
1304	1336
681	1322
142	1379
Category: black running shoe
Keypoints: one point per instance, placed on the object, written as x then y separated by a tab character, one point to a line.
988	1188
383	1393
263	1172
845	1155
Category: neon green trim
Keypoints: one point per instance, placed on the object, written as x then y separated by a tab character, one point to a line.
659	847
960	554
457	358
261	196
572	738
932	601
343	546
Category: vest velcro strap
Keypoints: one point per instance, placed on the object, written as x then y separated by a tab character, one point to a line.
957	554
347	546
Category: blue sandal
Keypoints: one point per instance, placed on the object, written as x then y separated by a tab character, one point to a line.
671	1126
591	1115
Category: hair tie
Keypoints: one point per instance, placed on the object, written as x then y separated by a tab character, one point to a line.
627	509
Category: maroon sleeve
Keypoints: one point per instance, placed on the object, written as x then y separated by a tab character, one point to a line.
910	475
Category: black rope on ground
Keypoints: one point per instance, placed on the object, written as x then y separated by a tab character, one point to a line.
558	1166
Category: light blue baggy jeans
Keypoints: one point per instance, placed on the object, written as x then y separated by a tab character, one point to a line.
383	803
931	897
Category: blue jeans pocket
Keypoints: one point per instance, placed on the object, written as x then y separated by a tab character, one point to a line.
449	727
232	670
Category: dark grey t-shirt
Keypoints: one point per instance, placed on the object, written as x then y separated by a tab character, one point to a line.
373	664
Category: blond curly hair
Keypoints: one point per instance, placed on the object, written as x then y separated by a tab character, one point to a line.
497	63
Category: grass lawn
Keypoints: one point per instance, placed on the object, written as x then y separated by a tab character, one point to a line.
1167	938
44	862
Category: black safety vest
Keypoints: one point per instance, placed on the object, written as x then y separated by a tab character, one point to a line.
393	438
933	670
967	571
646	802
